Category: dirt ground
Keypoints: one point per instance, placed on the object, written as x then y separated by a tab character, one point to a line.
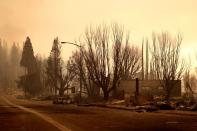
14	119
95	118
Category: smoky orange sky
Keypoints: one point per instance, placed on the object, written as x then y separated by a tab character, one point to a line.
43	20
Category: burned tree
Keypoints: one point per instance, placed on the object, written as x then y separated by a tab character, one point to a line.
126	58
66	77
131	64
107	59
166	62
81	71
190	82
97	58
58	77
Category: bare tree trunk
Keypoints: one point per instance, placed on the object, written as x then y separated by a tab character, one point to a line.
106	95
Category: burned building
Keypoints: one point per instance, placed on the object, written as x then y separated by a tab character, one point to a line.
150	87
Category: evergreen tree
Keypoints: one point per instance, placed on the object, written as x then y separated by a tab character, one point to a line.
9	65
54	66
1	63
14	63
50	75
59	78
4	65
15	55
30	82
28	60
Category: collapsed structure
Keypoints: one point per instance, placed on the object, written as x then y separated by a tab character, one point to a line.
150	87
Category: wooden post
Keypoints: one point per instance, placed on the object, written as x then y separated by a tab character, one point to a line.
136	90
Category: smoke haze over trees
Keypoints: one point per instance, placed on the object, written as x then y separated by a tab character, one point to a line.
106	57
9	64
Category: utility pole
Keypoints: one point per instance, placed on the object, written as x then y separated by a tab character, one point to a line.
55	65
80	87
143	59
147	61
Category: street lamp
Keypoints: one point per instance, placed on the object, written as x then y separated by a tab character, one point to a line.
80	86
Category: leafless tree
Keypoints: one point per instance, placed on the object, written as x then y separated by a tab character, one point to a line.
97	57
190	82
89	87
58	77
131	62
107	59
166	60
66	77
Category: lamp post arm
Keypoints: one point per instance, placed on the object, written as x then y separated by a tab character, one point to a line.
80	93
71	44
